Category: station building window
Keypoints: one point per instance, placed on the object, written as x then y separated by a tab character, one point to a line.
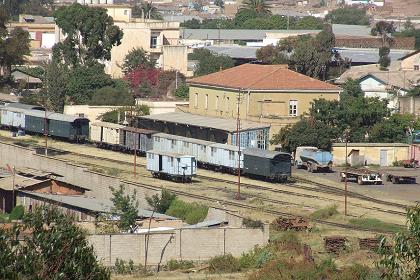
217	103
196	100
293	108
206	102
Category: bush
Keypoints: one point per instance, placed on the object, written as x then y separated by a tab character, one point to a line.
224	264
249	223
325	213
290	240
17	213
182	91
123	267
375	224
176	265
256	258
191	213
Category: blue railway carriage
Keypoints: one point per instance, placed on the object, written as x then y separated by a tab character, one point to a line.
270	165
105	135
224	157
172	166
11	117
136	139
69	127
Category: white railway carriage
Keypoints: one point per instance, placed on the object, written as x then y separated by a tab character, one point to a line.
224	157
166	142
105	134
173	166
12	117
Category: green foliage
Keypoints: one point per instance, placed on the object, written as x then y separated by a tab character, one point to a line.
401	260
224	264
191	213
325	213
183	91
14	46
90	34
308	23
119	96
394	129
384	60
83	81
208	62
256	258
259	6
123	267
414	91
54	240
384	29
112	116
136	58
17	213
250	223
348	15
272	55
125	207
375	224
161	203
36	71
146	10
220	3
172	265
55	85
191	24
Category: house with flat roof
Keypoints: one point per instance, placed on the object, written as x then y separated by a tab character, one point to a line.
267	94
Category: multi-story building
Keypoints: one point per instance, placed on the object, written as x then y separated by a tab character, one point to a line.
270	94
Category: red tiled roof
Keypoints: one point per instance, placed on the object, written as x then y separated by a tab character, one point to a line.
262	77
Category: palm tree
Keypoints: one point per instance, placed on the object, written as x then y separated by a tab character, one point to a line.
259	6
146	10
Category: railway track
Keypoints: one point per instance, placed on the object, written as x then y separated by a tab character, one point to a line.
321	187
250	207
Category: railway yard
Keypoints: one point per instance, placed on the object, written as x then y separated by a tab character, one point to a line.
302	195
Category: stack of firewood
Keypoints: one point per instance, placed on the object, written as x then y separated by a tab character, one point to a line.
335	244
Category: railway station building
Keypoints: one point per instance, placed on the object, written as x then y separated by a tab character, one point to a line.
252	134
267	94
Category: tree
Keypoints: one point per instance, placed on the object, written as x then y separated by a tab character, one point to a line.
112	95
209	62
117	115
409	26
146	10
308	23
243	15
83	81
385	30
415	91
182	92
14	46
220	4
55	85
410	33
161	203
90	35
348	15
137	58
395	129
191	24
384	60
56	248
259	6
125	207
271	55
401	260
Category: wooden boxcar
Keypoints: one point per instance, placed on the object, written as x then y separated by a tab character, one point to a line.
58	125
266	164
105	134
224	157
173	166
12	117
136	139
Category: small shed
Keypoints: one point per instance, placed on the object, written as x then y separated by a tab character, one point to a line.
32	82
382	154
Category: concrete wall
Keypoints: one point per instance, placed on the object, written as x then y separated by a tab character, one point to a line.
371	152
91	112
160	107
180	244
409	105
98	184
410	62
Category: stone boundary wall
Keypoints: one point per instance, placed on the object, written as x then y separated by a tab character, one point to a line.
180	244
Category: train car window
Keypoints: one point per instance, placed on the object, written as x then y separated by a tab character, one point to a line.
231	155
213	151
172	144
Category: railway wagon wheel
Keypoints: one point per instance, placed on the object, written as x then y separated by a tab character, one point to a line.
342	177
359	180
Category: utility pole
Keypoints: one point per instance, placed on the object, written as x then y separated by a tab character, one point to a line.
346	135
45	132
238	142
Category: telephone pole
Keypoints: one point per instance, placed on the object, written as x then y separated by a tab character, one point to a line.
238	142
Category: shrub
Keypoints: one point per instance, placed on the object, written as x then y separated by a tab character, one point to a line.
191	213
249	223
176	265
256	258
290	240
182	91
375	224
123	267
325	213
17	213
224	264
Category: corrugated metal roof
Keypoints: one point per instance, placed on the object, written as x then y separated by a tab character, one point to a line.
25	106
138	130
53	116
108	124
262	153
206	224
235	51
225	146
369	55
185	139
204	121
91	203
6	183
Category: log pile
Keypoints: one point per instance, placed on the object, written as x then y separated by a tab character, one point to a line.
335	244
371	244
295	223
